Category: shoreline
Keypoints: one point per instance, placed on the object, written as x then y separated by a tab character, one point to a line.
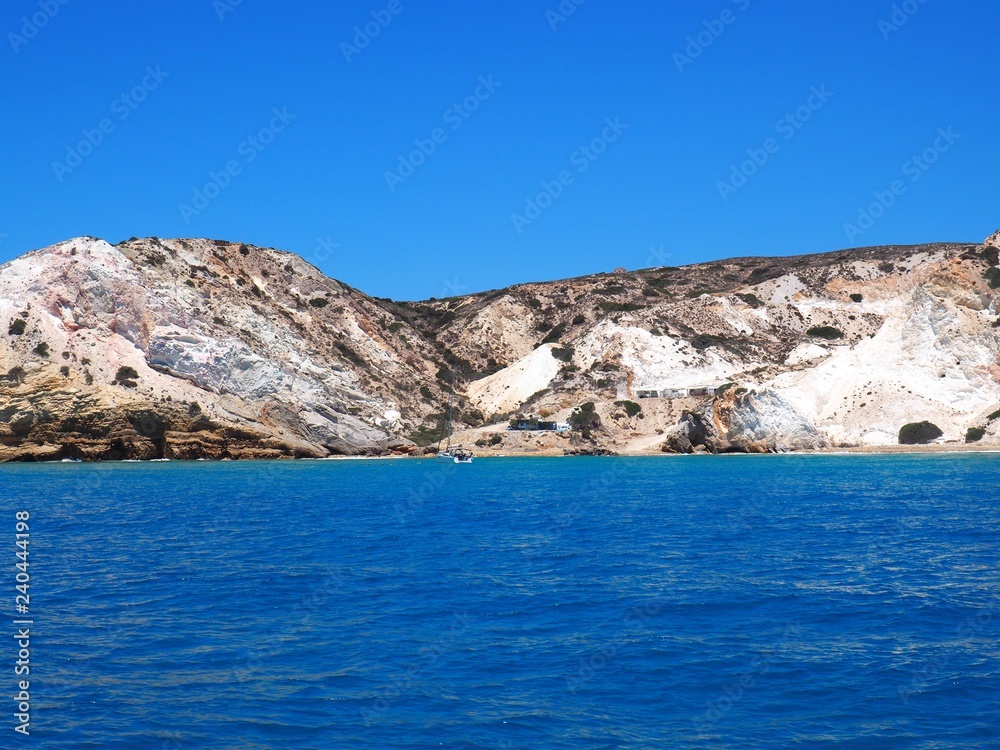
886	450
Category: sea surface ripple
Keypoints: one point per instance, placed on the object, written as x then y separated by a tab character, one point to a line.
674	602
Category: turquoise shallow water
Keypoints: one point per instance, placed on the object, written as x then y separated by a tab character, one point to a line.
675	602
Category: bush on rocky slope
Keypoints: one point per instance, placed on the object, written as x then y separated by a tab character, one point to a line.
631	407
974	434
919	433
126	377
586	419
825	332
563	353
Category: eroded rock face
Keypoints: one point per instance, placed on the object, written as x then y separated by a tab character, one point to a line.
744	422
202	348
196	348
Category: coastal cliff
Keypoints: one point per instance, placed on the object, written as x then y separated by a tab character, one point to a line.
742	421
201	348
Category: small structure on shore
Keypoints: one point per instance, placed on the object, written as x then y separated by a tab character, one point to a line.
697	392
537	425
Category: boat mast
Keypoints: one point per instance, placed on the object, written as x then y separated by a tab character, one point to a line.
451	406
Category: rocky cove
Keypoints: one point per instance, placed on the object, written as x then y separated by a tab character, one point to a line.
194	348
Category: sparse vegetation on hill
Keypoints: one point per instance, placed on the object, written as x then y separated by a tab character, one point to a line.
974	434
564	353
751	299
919	433
585	419
828	333
126	377
631	407
610	307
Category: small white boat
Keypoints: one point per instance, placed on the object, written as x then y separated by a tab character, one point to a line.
457	454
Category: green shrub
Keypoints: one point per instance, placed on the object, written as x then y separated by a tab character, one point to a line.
974	434
856	297
919	433
586	419
16	375
992	275
825	332
751	299
563	353
126	377
631	407
579	320
42	350
994	415
555	334
319	302
705	340
17	327
610	307
424	436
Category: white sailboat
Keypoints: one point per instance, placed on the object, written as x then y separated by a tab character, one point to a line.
457	454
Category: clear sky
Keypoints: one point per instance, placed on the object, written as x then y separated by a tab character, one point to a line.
563	139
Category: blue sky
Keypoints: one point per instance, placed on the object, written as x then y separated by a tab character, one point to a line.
468	146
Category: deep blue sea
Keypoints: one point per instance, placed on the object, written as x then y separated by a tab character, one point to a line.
662	602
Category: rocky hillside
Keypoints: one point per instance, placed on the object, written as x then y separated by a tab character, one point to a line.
196	348
192	348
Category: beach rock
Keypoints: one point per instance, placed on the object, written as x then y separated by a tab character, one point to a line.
742	421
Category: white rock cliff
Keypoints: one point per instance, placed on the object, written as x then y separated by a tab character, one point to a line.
200	348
